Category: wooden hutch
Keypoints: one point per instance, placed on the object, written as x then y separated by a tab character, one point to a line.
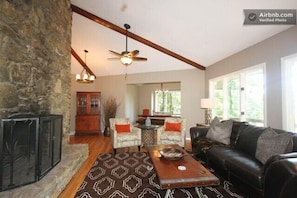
87	113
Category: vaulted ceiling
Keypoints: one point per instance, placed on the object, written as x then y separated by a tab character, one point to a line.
198	32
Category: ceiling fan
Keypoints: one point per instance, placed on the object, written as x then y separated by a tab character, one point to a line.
127	57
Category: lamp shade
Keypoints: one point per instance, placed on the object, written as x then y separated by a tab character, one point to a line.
207	103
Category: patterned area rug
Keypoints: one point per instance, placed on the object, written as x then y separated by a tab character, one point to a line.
132	175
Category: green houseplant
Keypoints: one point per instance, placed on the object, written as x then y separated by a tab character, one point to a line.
110	107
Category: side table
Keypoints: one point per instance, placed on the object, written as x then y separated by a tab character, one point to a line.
147	134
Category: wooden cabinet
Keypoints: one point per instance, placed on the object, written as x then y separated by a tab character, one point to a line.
87	113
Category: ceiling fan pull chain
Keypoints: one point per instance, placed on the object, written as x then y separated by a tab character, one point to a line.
126	73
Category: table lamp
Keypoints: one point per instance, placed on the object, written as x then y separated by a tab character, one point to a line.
207	104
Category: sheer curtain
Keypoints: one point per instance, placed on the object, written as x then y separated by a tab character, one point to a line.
289	92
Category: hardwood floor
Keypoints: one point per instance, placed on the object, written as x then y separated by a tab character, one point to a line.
97	144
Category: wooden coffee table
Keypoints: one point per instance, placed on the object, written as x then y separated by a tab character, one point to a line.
194	175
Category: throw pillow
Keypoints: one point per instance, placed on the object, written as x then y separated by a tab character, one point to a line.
270	143
171	126
220	132
122	128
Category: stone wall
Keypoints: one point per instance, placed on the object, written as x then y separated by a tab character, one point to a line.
35	73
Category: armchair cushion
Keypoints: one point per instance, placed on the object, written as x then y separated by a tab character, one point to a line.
170	126
122	128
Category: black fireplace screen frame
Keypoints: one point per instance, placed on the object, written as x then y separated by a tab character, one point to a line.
25	143
50	143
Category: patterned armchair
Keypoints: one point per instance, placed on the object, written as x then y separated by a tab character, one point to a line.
172	132
123	134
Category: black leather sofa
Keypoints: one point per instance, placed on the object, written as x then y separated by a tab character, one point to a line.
277	178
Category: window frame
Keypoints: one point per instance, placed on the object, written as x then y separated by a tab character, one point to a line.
288	121
165	112
241	74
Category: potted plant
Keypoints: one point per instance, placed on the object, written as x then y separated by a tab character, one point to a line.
110	107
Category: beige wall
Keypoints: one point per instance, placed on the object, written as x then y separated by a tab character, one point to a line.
270	52
192	90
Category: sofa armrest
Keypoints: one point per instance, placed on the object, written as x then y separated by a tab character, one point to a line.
281	178
198	132
279	157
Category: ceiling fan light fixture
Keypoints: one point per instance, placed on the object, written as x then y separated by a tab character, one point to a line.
126	60
127	57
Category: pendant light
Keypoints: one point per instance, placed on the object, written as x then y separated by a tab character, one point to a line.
84	76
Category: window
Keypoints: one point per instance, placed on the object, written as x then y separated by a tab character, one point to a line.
240	95
168	102
289	95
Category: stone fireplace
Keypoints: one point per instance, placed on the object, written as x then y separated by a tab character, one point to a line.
35	71
35	56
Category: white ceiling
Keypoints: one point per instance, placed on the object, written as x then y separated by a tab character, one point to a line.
202	31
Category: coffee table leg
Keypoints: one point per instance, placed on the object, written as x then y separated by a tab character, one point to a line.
167	193
198	193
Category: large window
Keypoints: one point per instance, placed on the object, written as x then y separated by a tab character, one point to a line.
167	102
240	96
289	93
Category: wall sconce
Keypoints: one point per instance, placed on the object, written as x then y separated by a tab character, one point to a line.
208	104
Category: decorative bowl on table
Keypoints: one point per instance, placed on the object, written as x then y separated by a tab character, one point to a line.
172	153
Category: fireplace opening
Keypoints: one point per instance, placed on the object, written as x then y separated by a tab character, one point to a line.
30	147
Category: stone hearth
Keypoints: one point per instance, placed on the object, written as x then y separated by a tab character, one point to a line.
51	185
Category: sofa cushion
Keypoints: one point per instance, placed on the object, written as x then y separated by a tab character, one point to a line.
234	133
270	143
294	138
247	138
218	155
220	131
246	168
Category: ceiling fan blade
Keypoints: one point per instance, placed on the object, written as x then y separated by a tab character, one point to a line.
135	52
114	58
115	53
139	59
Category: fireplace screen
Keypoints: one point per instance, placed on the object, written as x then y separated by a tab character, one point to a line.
18	153
49	143
29	148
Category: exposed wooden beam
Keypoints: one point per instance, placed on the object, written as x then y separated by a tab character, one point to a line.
83	64
134	36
